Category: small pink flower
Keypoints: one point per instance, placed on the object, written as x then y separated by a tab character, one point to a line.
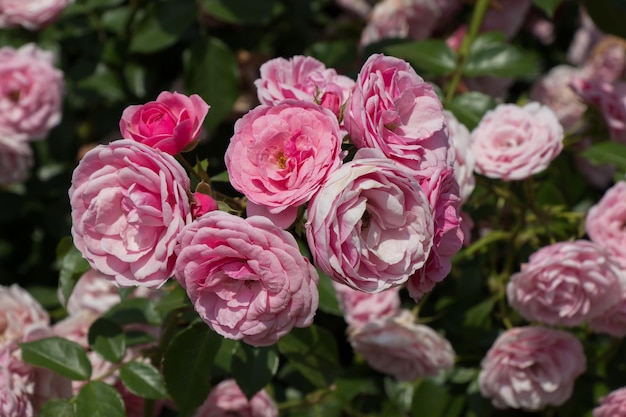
226	399
566	284
280	156
612	405
398	346
246	277
129	202
171	123
202	204
605	221
514	143
370	226
464	159
360	307
32	15
19	313
31	90
16	159
531	367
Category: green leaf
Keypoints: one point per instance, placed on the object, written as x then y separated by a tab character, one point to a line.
253	368
211	70
97	399
107	339
57	408
433	399
548	6
187	365
469	108
608	15
479	315
164	23
346	389
490	55
339	54
433	56
134	310
328	297
59	355
613	153
71	266
249	12
313	352
173	299
221	177
143	379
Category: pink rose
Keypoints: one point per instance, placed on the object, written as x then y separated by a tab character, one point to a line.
246	277
171	123
19	313
129	202
370	226
566	284
30	92
16	159
32	15
360	307
514	143
202	204
226	399
464	159
607	61
394	110
606	219
531	367
358	7
280	156
612	405
613	321
94	292
400	347
302	78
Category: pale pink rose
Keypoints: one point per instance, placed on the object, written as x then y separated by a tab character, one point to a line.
415	19
302	78
93	291
464	159
19	313
279	156
394	110
202	204
30	14
226	399
370	226
613	321
359	7
31	90
514	143
360	307
531	368
554	90
246	277
16	159
605	221
612	405
171	123
400	347
129	202
566	284
506	16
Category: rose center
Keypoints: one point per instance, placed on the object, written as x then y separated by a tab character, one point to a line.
281	160
366	220
14	95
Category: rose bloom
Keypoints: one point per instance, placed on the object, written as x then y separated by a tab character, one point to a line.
531	367
302	78
171	123
129	202
16	159
394	110
19	313
566	284
30	92
370	226
280	156
226	399
93	291
32	15
514	143
607	60
400	347
612	405
613	321
360	307
246	277
464	159
605	221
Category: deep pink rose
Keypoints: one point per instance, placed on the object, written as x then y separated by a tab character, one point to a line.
612	405
531	368
226	399
16	159
566	284
280	156
302	78
360	307
170	123
19	313
129	202
30	14
246	277
514	143
394	110
31	90
370	226
400	347
605	221
464	159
